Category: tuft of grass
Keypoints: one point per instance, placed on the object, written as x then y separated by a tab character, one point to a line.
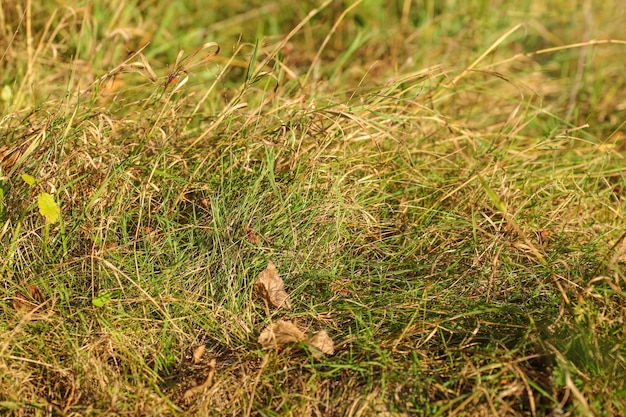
440	185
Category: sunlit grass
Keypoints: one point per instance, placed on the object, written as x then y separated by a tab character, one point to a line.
440	191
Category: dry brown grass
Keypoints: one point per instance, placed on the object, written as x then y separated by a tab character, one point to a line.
441	189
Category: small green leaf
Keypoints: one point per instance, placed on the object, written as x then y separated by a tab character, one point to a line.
48	207
29	179
6	94
101	300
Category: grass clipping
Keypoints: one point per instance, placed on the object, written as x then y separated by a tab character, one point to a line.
280	334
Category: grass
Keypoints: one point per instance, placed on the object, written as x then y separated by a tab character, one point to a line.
441	186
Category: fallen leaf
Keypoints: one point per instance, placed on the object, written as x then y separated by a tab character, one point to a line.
21	302
206	203
102	299
271	288
251	236
197	354
280	334
48	207
29	179
543	236
36	293
7	93
29	300
321	342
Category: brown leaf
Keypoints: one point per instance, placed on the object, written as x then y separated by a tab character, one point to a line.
269	285
322	343
280	334
197	354
251	236
30	300
543	236
36	293
21	302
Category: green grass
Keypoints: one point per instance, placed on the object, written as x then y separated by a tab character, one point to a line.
440	191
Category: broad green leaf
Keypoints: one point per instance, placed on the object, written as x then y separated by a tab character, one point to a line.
48	207
29	179
102	299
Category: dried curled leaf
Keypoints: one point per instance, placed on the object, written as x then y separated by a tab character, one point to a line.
271	288
322	343
30	300
251	236
280	334
197	354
